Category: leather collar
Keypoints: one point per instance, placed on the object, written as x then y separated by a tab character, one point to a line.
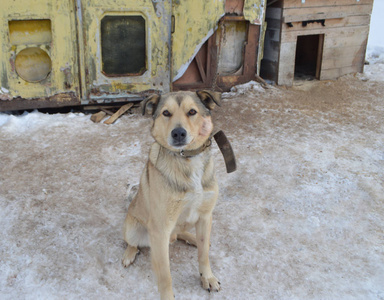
224	146
192	153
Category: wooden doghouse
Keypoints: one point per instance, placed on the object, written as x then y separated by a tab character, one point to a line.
322	39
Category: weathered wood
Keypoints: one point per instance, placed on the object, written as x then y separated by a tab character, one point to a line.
324	12
346	38
200	66
117	115
98	107
107	111
316	3
319	56
346	60
331	23
343	32
97	117
355	34
251	49
314	16
332	74
286	69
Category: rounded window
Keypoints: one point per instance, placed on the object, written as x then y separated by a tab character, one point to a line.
33	64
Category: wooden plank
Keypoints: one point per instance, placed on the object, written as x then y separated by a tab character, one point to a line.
340	51
346	38
107	111
344	57
316	3
117	115
331	23
346	60
319	55
314	16
332	74
325	12
251	49
332	34
97	117
200	66
286	68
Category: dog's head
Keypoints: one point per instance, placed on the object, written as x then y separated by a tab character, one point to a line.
181	120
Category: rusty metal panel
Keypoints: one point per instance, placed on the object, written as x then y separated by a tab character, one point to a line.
154	74
38	50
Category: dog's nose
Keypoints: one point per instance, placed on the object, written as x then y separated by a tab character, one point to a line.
179	135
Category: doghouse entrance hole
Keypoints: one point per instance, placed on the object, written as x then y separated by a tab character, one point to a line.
309	52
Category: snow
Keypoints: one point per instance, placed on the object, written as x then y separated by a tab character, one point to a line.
301	218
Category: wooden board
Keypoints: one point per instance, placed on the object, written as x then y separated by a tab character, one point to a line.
324	12
286	68
117	114
354	34
316	3
97	117
332	74
331	23
346	60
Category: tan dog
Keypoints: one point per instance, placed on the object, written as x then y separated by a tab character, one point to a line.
178	188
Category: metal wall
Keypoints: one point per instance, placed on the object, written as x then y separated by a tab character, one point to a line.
59	53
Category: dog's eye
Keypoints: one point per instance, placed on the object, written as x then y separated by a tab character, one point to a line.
166	113
192	112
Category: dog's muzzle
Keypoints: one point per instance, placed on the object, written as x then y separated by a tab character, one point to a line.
179	136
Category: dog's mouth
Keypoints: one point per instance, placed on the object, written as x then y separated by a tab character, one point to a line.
178	144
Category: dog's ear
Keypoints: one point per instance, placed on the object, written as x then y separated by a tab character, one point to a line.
149	105
209	98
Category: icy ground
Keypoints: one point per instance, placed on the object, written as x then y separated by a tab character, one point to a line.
302	218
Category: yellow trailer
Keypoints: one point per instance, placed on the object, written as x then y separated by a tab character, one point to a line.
77	52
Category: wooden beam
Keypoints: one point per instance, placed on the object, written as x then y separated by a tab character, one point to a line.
319	55
324	12
331	23
317	3
97	117
200	66
333	36
315	16
119	113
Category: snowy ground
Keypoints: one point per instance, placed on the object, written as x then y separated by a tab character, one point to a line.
302	218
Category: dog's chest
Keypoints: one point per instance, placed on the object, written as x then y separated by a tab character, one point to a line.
194	198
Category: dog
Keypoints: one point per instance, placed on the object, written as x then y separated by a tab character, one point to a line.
178	188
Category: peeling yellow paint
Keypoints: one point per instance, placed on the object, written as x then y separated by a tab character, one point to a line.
53	30
69	32
195	22
254	11
25	32
157	16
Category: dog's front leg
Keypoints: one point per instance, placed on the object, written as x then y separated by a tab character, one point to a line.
203	233
160	262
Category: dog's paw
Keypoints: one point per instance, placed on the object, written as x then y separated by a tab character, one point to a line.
210	283
129	255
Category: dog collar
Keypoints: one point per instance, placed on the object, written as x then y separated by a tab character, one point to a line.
224	146
192	153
